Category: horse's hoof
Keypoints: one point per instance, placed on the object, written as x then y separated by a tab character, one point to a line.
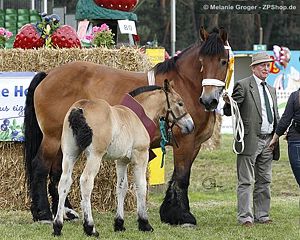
42	216
70	214
119	225
119	229
90	230
144	225
57	227
188	225
45	221
95	234
146	228
92	234
188	219
56	234
173	214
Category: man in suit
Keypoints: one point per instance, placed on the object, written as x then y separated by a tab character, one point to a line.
258	108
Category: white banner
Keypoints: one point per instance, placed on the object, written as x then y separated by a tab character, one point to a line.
13	92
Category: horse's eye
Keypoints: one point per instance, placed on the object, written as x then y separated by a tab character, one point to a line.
180	104
223	62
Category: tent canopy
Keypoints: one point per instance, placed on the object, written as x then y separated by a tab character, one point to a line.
88	9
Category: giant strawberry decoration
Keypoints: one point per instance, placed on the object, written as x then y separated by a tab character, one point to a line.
122	5
47	33
29	37
65	37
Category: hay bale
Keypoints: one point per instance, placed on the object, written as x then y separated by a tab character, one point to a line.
13	189
44	59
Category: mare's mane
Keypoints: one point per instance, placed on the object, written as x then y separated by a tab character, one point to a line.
211	47
143	89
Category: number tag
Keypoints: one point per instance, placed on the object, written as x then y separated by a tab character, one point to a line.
127	26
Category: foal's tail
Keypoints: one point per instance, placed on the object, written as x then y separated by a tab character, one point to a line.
32	131
81	131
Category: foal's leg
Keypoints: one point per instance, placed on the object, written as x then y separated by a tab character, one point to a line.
55	174
86	185
122	186
64	185
140	161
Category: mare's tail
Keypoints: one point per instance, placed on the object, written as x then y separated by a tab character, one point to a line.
32	131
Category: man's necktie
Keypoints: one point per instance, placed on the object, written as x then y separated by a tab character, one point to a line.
268	107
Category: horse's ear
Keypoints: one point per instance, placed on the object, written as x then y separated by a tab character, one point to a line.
223	34
171	84
203	33
166	85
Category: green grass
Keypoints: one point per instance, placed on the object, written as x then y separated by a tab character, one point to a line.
214	207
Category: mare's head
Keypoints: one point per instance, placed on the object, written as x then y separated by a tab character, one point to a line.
176	112
214	59
202	63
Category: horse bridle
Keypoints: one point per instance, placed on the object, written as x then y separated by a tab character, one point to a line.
170	124
218	82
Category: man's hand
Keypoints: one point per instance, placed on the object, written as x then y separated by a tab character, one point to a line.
273	141
226	98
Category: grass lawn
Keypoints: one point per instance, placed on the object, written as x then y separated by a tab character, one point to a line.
212	200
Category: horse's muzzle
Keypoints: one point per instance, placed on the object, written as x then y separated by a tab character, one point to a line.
209	104
210	99
188	126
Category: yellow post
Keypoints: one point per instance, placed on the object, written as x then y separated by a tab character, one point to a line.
156	173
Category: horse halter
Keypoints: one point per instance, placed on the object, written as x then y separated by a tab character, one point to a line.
170	124
170	111
218	82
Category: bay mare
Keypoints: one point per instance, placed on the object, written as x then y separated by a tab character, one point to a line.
118	133
198	74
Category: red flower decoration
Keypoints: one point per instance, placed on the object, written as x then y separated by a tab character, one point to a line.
136	38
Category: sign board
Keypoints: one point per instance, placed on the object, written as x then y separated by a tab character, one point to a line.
259	47
156	55
13	92
127	27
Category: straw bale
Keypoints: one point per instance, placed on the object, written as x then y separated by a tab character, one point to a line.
45	59
13	190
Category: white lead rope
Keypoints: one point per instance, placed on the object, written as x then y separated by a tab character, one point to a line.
237	125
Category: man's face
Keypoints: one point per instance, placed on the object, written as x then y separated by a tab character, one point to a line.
261	70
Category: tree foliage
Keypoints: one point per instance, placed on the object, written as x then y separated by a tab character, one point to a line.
243	29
